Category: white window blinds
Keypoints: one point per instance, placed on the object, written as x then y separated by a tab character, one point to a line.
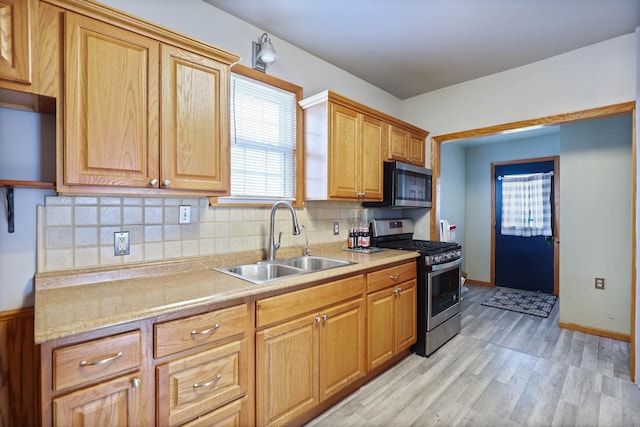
263	140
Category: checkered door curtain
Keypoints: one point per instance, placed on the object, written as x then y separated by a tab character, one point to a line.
526	205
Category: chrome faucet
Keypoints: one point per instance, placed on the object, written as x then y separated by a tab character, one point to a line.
273	246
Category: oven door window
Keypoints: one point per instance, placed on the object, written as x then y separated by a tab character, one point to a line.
445	290
412	188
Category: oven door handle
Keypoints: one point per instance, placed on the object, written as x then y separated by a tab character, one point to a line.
446	265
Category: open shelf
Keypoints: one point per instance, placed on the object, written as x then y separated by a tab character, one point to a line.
9	185
28	184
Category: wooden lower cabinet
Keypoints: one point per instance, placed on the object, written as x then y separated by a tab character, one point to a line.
391	322
194	385
112	403
308	359
391	312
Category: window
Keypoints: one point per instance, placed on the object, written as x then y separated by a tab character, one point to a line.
265	150
526	205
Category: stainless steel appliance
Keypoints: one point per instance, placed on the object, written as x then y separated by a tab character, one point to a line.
405	186
438	281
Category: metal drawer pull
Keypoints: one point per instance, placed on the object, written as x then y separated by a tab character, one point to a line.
394	277
209	384
101	361
206	331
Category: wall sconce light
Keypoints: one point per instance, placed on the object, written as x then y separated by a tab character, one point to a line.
263	53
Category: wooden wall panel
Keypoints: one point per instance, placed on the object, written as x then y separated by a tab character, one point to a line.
19	369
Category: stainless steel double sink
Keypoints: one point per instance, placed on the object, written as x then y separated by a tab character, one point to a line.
267	271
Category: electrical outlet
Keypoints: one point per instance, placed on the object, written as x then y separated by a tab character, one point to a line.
185	214
599	283
121	243
336	228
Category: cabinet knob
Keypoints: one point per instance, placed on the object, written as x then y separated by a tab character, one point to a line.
135	383
394	277
166	183
325	317
318	319
154	182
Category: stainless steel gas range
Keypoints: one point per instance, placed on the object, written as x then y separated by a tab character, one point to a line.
438	281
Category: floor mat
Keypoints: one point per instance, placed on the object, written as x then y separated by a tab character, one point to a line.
534	303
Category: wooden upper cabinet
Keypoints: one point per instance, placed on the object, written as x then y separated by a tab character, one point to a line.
406	147
194	111
370	172
145	109
398	143
344	152
15	41
111	105
416	152
346	144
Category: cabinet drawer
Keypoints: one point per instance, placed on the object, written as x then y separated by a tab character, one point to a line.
281	307
390	276
183	334
227	416
200	383
91	361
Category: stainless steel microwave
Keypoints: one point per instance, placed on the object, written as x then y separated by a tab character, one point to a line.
405	186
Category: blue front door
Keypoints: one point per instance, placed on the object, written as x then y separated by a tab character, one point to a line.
523	262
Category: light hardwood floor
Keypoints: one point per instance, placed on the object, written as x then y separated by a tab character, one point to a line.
503	369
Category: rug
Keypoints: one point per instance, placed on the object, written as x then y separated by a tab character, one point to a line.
527	302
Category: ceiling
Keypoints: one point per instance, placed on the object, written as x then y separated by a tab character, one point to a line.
410	47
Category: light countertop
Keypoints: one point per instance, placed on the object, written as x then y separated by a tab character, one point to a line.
68	303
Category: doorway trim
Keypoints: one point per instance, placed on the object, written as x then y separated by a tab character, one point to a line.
556	216
593	113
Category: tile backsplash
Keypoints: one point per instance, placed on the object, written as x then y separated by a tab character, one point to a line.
78	232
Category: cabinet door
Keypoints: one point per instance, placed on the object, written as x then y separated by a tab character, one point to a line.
286	370
112	403
195	131
406	315
111	105
343	152
342	347
15	43
398	144
416	152
371	159
381	324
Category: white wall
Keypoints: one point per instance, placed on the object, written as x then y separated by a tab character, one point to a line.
204	22
27	153
594	76
595	222
453	188
478	183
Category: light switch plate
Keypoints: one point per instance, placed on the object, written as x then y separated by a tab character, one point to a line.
336	228
121	243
